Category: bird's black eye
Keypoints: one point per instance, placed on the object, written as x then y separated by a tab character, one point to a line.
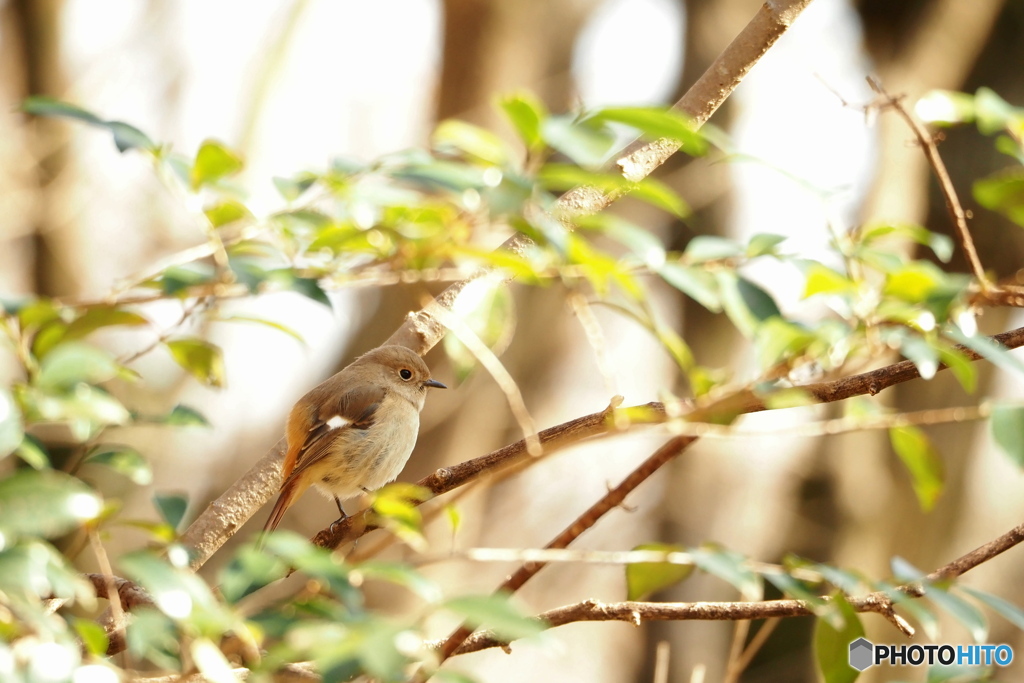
405	373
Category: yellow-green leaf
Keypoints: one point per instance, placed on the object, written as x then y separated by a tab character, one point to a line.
646	578
922	461
201	358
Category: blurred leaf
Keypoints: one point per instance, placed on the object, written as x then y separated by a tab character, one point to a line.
248	571
963	369
646	578
180	278
213	162
201	358
655	122
730	567
153	637
396	506
764	243
311	289
402	575
1003	192
1005	609
72	363
922	461
444	175
294	187
823	280
185	416
263	321
172	507
478	143
710	248
746	304
527	115
987	348
316	563
964	612
487	307
993	113
125	136
1008	430
695	282
585	142
177	592
92	635
85	409
211	662
226	212
945	107
941	245
123	460
562	177
832	645
45	503
496	613
33	453
778	340
102	316
924	356
34	569
12	429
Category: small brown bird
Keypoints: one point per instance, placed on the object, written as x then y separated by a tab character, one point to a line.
355	431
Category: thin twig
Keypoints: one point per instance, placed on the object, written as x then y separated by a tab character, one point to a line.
956	210
880	602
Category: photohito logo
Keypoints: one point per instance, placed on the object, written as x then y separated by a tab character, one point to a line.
864	653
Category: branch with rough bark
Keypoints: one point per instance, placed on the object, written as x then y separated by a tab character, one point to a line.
880	602
422	331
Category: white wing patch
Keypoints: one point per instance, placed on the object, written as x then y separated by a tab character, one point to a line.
338	421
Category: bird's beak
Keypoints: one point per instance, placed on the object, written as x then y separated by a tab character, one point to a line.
434	383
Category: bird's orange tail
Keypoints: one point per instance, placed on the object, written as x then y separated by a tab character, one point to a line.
289	492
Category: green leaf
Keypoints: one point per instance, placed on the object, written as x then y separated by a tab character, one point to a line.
444	175
185	416
646	578
249	570
310	288
945	107
1003	192
123	460
33	453
695	282
777	340
993	112
823	280
227	212
527	114
477	143
963	369
213	162
832	645
211	662
45	503
178	279
487	307
402	575
201	358
730	567
586	143
1008	430
941	245
294	187
74	363
922	461
764	243
655	122
497	613
969	616
710	248
177	592
917	349
1005	609
92	635
987	348
102	316
746	304
172	507
125	136
12	429
263	321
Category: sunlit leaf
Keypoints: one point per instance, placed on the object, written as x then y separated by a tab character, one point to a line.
201	358
93	636
487	307
655	122
1007	610
176	592
33	453
584	142
12	429
832	644
226	212
263	321
945	107
710	248
1008	430
823	280
746	304
177	279
695	282
294	187
941	245
72	363
922	461
452	135
123	460
969	616
214	161
729	566
964	370
778	340
764	243
45	503
99	317
1003	192
171	507
497	613
185	416
249	570
527	115
211	662
993	113
402	575
987	348
643	579
924	356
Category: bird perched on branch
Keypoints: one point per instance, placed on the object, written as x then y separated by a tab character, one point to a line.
355	431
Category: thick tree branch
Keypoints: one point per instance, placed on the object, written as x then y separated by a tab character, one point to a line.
881	602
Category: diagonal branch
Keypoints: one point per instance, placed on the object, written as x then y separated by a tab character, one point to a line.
881	602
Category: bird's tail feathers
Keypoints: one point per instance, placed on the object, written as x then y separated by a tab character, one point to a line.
289	492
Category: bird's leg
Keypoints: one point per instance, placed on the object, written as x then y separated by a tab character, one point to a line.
337	501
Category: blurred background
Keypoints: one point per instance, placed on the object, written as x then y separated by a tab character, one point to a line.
292	84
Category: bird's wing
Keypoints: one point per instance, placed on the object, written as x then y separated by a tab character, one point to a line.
354	409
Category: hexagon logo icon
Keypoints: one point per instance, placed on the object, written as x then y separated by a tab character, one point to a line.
861	654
